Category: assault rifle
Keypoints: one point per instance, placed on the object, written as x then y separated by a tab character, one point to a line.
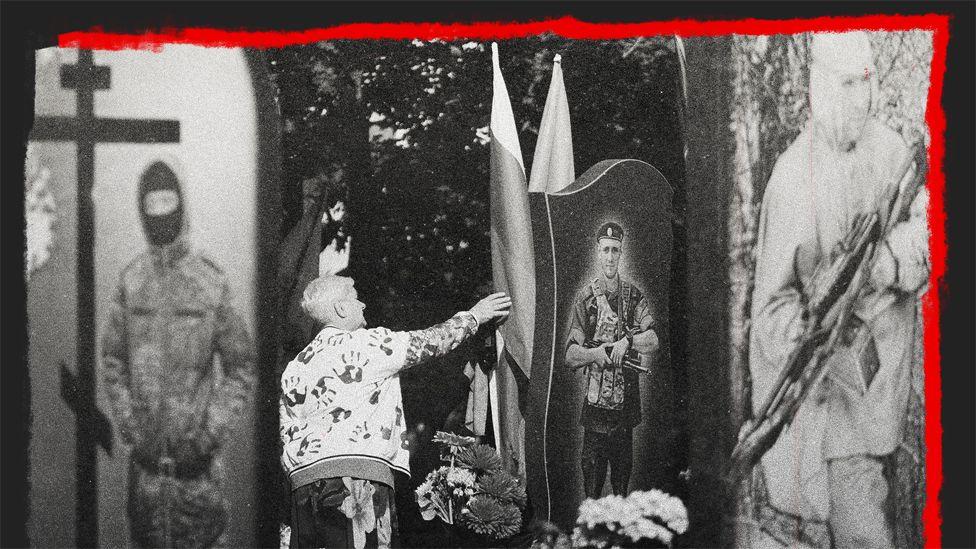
839	281
631	360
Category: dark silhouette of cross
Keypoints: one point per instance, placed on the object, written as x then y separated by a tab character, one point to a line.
93	428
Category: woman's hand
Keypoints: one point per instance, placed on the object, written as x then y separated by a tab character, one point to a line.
495	306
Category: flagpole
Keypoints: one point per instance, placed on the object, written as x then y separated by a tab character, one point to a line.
496	426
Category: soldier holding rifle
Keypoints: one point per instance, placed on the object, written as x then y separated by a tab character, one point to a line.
825	472
612	335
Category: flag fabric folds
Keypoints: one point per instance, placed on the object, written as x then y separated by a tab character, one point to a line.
512	256
552	163
513	272
476	414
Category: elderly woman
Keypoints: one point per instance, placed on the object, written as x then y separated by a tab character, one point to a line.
341	414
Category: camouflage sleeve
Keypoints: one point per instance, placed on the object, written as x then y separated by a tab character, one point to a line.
575	354
577	327
237	362
643	314
645	338
116	370
438	340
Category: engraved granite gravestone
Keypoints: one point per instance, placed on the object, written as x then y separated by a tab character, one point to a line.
599	392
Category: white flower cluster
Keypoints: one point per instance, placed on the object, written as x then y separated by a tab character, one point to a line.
461	481
284	536
40	212
645	528
459	477
607	511
641	515
655	503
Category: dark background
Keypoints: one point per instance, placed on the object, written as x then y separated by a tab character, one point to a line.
28	26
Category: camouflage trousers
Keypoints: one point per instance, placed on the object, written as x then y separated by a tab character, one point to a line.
166	510
860	511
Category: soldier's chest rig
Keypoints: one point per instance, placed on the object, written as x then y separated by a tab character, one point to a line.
606	385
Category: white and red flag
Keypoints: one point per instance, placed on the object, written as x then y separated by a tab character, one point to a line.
552	164
512	255
513	272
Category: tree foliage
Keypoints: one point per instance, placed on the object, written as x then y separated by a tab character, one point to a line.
423	203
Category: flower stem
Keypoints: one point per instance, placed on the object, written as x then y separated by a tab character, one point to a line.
450	498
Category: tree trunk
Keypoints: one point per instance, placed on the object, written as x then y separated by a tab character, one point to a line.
708	183
365	200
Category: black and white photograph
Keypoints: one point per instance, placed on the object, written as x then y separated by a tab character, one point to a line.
839	439
405	280
603	403
147	390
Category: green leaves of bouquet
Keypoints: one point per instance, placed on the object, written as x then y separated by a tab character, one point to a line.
481	459
490	506
503	487
489	517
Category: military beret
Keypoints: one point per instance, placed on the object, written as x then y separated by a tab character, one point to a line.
610	230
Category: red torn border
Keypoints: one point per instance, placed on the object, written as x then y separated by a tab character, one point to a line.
572	28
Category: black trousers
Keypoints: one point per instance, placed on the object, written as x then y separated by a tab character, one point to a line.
316	520
602	449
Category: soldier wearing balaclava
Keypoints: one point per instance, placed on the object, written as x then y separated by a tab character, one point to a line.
161	204
823	481
170	318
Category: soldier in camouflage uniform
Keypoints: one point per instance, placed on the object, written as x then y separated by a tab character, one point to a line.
825	481
611	316
174	407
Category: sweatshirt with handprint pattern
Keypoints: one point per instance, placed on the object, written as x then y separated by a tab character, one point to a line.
340	407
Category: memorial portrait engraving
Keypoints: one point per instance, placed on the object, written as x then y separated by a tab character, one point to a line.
600	368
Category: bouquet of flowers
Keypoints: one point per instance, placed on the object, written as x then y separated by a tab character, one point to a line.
650	518
473	490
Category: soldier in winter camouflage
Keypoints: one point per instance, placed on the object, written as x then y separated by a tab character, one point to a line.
824	478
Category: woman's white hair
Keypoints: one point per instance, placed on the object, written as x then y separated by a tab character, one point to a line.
321	294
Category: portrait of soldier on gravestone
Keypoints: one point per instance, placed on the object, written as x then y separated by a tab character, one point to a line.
612	323
601	421
170	318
